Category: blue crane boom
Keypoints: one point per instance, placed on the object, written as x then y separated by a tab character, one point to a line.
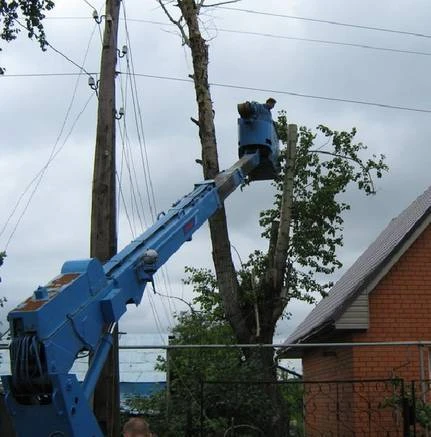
76	311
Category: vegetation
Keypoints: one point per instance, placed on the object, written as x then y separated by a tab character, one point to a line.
315	233
215	389
304	228
28	15
417	408
24	14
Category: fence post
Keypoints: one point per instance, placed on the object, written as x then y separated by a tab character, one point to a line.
201	433
413	411
405	410
338	410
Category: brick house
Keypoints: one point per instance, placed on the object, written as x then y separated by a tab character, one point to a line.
384	296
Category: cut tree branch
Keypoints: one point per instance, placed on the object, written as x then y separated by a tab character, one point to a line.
196	122
176	23
283	237
349	158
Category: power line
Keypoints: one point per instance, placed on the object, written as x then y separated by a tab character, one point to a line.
81	68
89	4
44	74
42	172
40	175
248	88
329	42
292	93
121	195
130	162
71	17
142	143
287	37
139	123
294	38
68	59
335	23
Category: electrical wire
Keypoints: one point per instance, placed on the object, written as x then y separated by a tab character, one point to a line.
249	88
43	173
128	160
39	176
89	4
172	363
135	186
44	74
123	142
139	122
329	42
331	22
287	37
183	382
120	191
81	68
143	149
156	317
127	157
290	93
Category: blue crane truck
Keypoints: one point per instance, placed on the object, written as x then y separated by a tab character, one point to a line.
75	312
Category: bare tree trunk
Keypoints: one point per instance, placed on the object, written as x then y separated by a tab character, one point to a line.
242	316
278	251
224	267
273	298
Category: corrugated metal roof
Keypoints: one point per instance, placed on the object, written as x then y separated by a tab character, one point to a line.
365	268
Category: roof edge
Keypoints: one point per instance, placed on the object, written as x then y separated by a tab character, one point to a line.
376	275
370	282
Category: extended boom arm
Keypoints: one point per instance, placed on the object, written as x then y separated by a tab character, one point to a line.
70	314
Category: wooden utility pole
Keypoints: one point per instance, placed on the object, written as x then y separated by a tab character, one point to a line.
103	240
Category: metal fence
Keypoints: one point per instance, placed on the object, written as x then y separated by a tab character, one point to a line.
336	408
392	407
319	408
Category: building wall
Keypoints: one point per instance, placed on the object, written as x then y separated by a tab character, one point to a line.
399	310
322	395
328	364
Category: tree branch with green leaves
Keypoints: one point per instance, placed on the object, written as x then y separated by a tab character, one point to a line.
304	228
316	219
32	12
16	15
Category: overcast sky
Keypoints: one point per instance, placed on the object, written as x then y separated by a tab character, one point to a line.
55	226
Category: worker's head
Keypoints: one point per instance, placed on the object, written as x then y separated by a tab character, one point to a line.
270	103
136	427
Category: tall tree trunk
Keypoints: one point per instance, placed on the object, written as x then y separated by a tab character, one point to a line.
224	267
275	281
251	323
276	420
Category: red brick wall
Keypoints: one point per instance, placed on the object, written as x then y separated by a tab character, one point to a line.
399	310
322	397
323	364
